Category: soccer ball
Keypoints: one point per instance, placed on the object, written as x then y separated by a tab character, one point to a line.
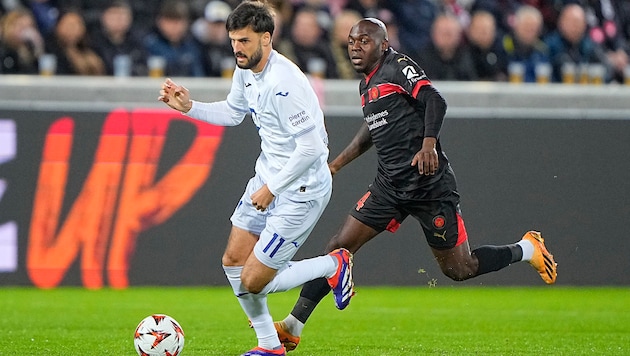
158	335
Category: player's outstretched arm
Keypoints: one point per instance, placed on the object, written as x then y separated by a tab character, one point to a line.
175	96
361	142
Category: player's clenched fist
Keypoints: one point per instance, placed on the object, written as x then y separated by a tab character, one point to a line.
175	96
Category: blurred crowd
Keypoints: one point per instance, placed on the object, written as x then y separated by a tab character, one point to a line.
463	40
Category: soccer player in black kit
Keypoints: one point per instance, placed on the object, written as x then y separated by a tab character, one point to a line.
403	114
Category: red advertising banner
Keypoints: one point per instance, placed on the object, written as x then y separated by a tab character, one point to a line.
119	199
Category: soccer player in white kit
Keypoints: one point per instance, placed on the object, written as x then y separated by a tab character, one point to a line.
292	185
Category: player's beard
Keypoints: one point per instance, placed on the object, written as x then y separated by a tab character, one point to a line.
253	60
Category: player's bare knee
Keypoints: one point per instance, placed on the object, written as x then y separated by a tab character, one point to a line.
228	260
251	283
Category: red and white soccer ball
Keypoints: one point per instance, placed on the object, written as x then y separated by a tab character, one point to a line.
158	335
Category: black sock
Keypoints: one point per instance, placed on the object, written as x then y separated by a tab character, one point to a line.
494	258
517	252
312	293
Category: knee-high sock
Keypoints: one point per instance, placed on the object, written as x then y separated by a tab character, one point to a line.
494	258
255	307
297	273
312	293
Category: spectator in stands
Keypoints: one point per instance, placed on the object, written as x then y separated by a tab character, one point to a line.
366	8
414	19
342	24
47	11
70	44
502	10
283	15
144	15
458	8
114	38
447	57
9	5
317	5
46	14
216	44
485	47
392	27
623	12
197	8
523	44
90	10
570	43
604	23
172	40
20	43
307	46
549	11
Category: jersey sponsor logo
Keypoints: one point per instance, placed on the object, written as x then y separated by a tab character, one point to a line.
410	72
299	118
376	120
413	73
286	93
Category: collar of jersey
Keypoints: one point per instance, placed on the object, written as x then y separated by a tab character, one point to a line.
261	74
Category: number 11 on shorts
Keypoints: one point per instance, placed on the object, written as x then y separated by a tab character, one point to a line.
274	244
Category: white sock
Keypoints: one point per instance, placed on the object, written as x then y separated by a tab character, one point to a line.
528	249
295	326
255	307
233	274
297	273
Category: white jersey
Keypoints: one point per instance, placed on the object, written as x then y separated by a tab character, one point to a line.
285	109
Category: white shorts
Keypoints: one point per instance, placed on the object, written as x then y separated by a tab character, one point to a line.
283	227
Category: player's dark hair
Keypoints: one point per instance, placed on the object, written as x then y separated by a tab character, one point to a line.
251	13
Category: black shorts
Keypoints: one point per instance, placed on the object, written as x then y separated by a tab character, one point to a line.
440	218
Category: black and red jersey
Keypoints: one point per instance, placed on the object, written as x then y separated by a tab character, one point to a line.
401	107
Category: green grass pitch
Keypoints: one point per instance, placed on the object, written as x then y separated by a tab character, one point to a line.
543	320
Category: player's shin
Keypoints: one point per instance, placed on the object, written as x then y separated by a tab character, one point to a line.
494	258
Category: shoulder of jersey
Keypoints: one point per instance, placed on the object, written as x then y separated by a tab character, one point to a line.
408	68
403	60
284	68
